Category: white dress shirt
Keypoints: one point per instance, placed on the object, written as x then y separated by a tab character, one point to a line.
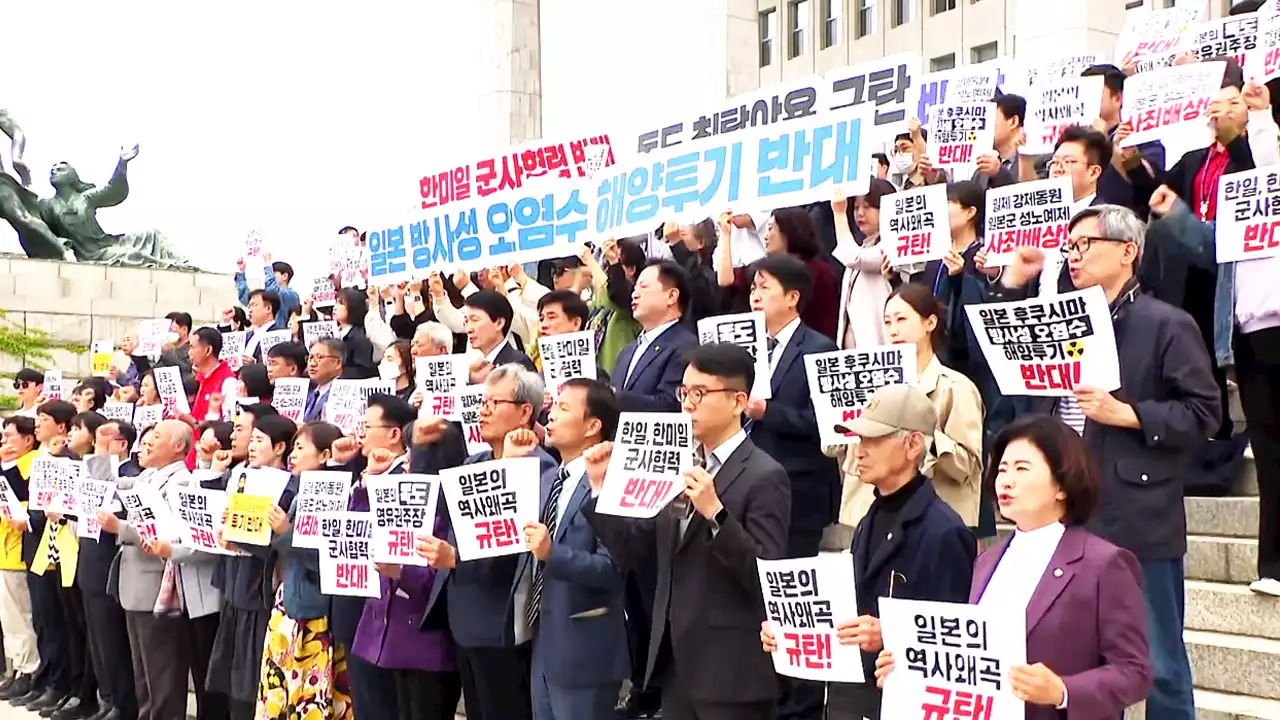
575	468
643	342
783	337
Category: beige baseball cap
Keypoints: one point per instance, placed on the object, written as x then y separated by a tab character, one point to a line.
893	408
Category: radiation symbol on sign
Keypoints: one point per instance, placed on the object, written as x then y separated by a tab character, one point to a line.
972	136
1074	349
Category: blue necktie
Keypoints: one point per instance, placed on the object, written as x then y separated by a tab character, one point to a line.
550	513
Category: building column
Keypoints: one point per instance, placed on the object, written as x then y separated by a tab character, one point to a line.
1048	30
511	102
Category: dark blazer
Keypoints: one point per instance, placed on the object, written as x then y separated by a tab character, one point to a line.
928	555
1087	622
357	358
788	432
652	386
511	354
708	605
581	629
1167	376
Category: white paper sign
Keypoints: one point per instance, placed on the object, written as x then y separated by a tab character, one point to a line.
1266	62
169	386
1061	69
10	505
1054	107
1245	228
43	483
53	385
489	503
151	337
804	599
264	341
314	330
568	356
253	244
959	133
199	515
470	398
958	86
345	565
843	381
915	225
438	378
1155	39
319	491
1159	102
290	397
233	351
148	513
348	400
114	410
261	482
146	416
92	496
746	330
66	495
646	470
404	509
1234	36
1028	214
323	295
1049	346
932	641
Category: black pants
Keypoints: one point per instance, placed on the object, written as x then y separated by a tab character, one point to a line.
426	695
51	638
801	699
373	690
679	704
853	701
84	684
109	648
496	682
202	631
240	709
638	606
1258	376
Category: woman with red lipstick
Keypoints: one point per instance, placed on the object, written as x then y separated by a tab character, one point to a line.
1086	616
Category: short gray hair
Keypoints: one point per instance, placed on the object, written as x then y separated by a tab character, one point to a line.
435	333
529	387
333	345
1115	222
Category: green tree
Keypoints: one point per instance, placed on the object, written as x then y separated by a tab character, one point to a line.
32	347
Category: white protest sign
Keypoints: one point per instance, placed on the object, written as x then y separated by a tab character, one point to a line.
148	513
145	417
199	513
319	491
172	393
1049	346
10	505
345	261
804	599
959	133
952	657
264	341
568	356
915	226
66	495
438	378
114	410
1266	62
345	565
843	381
746	330
253	244
231	399
1248	225
314	330
323	295
260	482
290	397
1030	214
1160	101
470	398
1154	39
489	503
53	385
348	400
1054	107
957	86
1060	69
404	509
92	496
651	453
43	483
233	351
151	336
1234	36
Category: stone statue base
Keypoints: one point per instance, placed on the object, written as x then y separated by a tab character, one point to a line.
82	302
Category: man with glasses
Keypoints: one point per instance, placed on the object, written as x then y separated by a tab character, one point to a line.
736	507
1144	435
324	365
487	599
30	386
1080	155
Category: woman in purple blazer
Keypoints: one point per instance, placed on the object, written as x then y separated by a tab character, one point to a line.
1086	618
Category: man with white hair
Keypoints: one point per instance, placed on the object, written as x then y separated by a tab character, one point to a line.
431	339
1145	434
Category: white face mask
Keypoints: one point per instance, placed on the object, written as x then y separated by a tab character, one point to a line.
902	163
388	371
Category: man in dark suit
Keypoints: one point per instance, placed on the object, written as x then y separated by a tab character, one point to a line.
493	648
785	427
324	365
487	320
649	370
736	507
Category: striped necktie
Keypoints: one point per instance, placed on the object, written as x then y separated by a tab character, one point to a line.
549	515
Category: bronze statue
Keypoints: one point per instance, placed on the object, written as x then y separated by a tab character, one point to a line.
65	227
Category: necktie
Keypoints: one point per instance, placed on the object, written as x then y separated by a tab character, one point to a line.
312	399
684	508
549	516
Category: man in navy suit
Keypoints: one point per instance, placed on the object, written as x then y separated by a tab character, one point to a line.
487	320
785	427
649	370
575	601
324	365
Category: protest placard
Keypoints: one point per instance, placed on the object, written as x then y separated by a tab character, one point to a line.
290	397
1266	62
1154	39
92	496
843	381
115	410
951	660
1166	99
959	86
1038	346
267	482
43	483
567	356
1248	224
1028	214
1054	107
404	508
804	599
10	505
651	453
746	330
144	418
489	503
52	388
470	398
314	330
959	133
323	294
173	396
915	225
319	491
882	84
345	565
1234	36
438	378
1059	69
247	519
233	351
66	492
260	343
199	514
348	400
253	245
151	337
148	514
100	353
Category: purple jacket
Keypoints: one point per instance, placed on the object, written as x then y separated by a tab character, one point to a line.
1086	622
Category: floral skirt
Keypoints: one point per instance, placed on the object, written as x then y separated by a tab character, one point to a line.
304	673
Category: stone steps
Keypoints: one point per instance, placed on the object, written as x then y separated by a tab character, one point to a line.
1233	610
1212	705
1237	664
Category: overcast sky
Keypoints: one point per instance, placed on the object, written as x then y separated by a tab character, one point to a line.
299	117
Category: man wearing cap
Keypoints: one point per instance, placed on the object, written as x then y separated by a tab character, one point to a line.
909	545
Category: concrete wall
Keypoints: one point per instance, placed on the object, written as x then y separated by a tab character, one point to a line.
81	303
511	104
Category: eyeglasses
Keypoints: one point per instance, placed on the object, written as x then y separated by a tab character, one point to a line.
1064	162
491	404
367	426
1082	244
317	358
696	394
